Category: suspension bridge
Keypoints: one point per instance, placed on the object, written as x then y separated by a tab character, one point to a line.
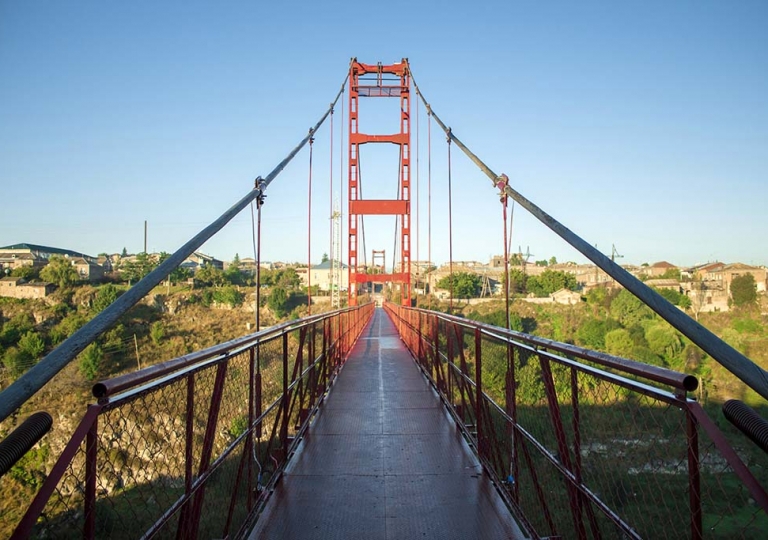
381	422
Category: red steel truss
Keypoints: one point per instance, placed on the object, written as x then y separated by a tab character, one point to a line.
400	207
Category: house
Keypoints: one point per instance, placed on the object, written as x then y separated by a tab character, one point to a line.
320	275
87	270
658	269
565	296
11	261
43	252
248	265
730	271
197	260
17	288
105	261
672	284
708	272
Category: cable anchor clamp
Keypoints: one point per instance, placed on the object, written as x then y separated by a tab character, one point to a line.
260	185
501	182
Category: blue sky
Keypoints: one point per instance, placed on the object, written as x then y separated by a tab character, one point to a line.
639	124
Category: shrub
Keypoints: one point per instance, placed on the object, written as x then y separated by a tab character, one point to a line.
32	344
157	332
90	361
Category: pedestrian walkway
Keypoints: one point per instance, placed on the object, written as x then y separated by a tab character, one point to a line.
384	460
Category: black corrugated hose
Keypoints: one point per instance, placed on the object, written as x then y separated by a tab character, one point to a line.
22	439
748	421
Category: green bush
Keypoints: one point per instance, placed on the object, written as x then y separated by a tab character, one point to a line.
229	296
157	332
32	344
17	361
90	361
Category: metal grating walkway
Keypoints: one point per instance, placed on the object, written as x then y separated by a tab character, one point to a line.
383	460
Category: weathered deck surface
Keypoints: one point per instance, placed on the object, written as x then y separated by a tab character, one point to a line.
383	460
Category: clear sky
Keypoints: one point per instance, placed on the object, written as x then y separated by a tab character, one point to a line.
639	124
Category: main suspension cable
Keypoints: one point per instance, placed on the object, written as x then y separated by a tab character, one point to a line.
309	228
450	226
33	380
429	199
330	207
737	363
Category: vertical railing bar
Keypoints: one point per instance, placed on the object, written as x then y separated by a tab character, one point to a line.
284	424
562	446
481	442
185	516
208	440
91	454
251	409
694	476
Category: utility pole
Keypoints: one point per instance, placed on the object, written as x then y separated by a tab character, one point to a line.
136	345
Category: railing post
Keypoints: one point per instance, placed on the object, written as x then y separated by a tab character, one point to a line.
481	443
562	445
510	406
208	441
91	451
251	409
285	404
186	511
694	476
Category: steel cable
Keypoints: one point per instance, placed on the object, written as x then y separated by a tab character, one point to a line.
34	379
738	364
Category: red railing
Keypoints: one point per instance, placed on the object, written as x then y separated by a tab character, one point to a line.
191	447
583	444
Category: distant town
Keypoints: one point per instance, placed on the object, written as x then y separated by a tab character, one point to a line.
707	286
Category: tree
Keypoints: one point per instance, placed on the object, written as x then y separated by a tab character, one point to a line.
517	280
671	295
157	332
592	333
27	272
90	361
17	361
324	259
210	275
134	271
278	301
619	343
552	261
628	309
671	273
229	296
16	327
550	281
124	253
32	344
59	271
177	274
463	284
105	296
542	262
744	290
288	279
664	341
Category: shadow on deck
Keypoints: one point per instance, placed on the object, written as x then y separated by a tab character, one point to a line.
384	460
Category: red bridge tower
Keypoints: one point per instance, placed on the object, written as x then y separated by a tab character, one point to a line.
401	206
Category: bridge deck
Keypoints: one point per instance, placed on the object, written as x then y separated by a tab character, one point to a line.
383	460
